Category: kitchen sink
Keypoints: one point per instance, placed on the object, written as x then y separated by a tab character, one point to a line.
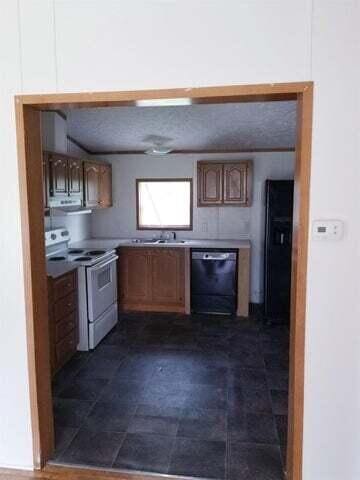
171	241
144	240
149	241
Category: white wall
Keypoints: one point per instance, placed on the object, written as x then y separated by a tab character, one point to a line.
61	45
209	222
54	139
15	427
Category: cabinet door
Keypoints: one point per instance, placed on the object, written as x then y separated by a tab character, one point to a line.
105	186
134	276
92	184
167	268
75	177
236	183
210	184
59	175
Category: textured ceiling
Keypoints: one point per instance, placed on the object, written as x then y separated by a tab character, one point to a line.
198	127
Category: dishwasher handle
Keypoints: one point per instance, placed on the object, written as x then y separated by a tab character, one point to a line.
213	256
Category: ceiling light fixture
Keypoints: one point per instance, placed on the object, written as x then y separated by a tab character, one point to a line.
158	150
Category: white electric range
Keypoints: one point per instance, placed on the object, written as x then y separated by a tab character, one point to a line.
97	285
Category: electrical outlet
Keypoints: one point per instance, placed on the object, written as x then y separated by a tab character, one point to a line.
328	229
204	227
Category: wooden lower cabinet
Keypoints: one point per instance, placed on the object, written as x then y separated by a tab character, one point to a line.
63	319
167	280
151	279
134	274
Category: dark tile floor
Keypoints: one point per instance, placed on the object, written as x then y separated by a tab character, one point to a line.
202	396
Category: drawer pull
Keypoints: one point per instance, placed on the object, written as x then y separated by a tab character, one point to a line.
69	304
68	285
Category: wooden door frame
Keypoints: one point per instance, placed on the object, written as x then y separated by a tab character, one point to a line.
28	110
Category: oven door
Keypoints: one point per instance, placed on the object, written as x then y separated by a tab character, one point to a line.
101	287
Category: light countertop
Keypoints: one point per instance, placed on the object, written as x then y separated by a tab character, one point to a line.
127	242
56	269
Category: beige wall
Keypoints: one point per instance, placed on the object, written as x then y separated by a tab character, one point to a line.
210	222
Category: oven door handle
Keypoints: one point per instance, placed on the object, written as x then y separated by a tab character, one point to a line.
103	264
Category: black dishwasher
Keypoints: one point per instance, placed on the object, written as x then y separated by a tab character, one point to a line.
213	281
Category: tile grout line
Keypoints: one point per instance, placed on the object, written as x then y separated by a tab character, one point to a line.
118	449
228	446
228	449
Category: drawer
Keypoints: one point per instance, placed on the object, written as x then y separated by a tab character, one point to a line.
65	326
64	306
64	285
66	348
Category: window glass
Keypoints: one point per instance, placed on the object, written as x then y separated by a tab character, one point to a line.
164	204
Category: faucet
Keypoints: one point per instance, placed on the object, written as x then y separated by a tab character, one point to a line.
166	236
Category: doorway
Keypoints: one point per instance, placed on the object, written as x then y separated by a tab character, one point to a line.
28	109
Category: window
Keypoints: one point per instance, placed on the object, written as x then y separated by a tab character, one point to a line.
164	204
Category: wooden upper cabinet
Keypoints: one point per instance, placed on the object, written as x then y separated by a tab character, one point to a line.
210	184
72	177
224	183
92	184
105	186
236	183
59	175
97	184
75	176
62	176
168	282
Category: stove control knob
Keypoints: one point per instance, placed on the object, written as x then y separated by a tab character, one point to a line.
53	236
64	233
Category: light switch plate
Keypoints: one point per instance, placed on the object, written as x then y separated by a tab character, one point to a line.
328	229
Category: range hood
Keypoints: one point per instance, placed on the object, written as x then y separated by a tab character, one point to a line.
63	206
68	211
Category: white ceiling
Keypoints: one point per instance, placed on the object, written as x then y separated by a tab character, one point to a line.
197	127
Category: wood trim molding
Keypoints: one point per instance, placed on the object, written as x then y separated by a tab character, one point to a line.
60	472
219	94
195	152
38	343
30	174
298	285
80	145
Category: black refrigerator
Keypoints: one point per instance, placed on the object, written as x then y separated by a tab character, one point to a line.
278	241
